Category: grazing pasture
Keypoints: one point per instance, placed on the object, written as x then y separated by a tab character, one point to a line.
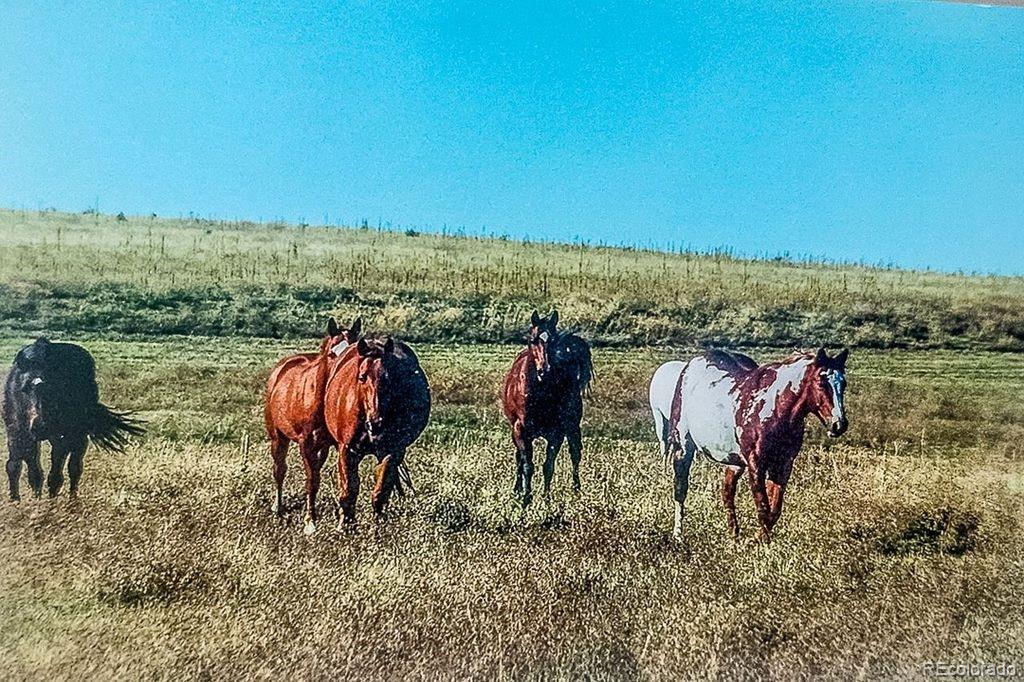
901	542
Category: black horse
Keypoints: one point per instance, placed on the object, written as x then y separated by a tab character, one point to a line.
543	397
51	395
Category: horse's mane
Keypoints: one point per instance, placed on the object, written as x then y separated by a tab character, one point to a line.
757	376
730	361
582	357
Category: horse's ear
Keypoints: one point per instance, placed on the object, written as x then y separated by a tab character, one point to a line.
332	327
389	346
553	320
535	319
363	347
357	327
821	358
841	358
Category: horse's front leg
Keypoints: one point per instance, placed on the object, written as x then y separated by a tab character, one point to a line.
757	476
732	477
387	479
348	484
776	487
519	440
21	447
524	443
575	442
554	445
312	463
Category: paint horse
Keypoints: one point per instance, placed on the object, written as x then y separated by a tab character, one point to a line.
745	417
51	395
377	402
294	411
543	397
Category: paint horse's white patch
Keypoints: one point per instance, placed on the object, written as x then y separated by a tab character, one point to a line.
708	412
787	377
663	387
337	348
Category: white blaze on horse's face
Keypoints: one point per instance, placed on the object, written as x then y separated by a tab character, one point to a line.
787	377
836	382
337	348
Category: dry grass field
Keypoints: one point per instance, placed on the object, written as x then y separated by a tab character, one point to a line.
900	544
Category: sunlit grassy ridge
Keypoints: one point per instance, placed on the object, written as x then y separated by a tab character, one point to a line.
148	275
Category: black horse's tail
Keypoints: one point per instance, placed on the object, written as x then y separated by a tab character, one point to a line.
110	429
585	368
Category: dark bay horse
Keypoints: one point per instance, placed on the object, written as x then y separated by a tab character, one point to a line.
747	418
377	403
543	397
294	411
51	394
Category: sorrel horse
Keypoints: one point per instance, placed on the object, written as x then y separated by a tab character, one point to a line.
377	402
51	394
543	397
294	411
745	417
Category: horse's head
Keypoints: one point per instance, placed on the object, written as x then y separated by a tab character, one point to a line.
36	391
372	378
827	385
339	339
542	337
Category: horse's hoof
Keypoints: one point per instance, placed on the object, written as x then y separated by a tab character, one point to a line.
309	528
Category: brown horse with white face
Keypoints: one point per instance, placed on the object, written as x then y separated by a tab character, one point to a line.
294	411
543	397
377	403
746	417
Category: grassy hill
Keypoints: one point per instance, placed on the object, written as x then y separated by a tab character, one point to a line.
900	543
147	275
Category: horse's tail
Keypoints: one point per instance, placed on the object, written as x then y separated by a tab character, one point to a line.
586	370
110	429
404	481
675	414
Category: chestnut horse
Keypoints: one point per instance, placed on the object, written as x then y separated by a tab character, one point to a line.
377	402
745	417
294	411
543	397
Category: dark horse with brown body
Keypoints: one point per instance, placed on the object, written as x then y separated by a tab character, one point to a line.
294	411
51	394
377	403
543	397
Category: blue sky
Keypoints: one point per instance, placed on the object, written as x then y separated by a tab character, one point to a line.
887	132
